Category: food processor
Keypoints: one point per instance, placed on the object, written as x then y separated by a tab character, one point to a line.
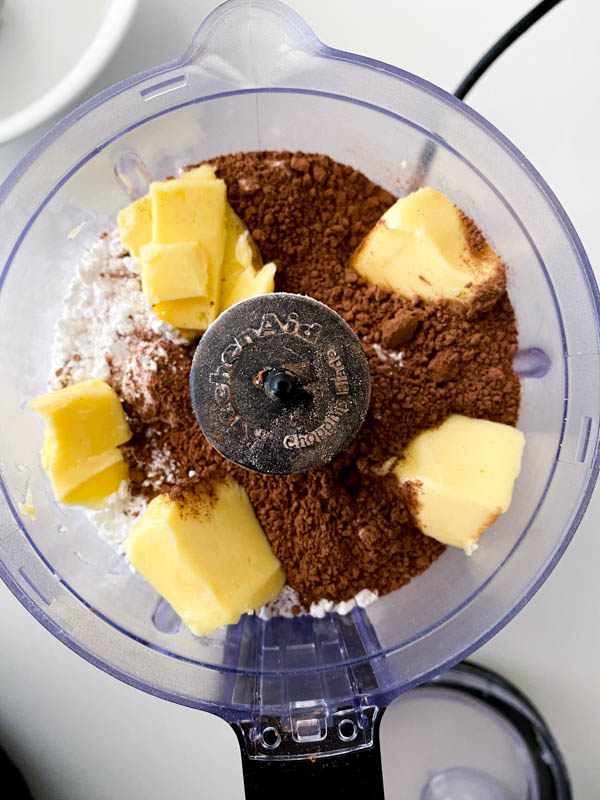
304	694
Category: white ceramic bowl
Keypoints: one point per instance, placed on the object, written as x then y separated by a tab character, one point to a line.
49	53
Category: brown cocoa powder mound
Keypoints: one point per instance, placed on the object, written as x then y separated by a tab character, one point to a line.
399	330
343	527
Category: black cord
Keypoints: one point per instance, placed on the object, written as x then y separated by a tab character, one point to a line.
496	50
430	148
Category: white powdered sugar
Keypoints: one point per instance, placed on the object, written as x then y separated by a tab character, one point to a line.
115	519
161	468
283	606
137	371
384	355
363	599
103	310
287	603
101	335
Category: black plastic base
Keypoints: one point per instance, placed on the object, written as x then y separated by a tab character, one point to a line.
12	780
348	775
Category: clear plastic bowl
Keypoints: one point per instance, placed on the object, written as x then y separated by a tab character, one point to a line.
255	77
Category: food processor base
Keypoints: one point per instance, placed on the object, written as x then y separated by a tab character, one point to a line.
10	775
466	735
352	772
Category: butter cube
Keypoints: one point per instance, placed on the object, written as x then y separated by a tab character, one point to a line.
207	556
191	313
87	482
190	333
134	222
202	173
135	225
243	275
424	246
96	489
87	417
85	424
250	283
198	257
461	477
185	210
174	271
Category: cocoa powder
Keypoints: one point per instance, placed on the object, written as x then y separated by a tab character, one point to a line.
475	239
345	526
399	330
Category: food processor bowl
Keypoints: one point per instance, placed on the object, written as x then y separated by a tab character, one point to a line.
255	77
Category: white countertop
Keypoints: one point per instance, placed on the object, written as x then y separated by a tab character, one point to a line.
78	733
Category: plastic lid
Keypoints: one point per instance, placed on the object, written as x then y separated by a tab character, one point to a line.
470	735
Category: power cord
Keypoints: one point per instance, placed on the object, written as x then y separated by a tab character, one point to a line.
496	50
485	62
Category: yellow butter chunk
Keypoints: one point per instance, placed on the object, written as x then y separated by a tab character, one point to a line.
461	477
86	418
85	424
424	246
99	486
202	173
27	508
198	257
243	274
190	333
174	271
135	225
251	283
191	313
69	474
185	210
207	556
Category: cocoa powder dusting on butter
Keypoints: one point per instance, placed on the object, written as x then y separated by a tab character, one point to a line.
343	527
475	239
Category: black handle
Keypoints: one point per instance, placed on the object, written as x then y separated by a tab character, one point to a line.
353	772
10	776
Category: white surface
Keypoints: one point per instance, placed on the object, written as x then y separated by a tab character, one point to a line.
49	52
78	733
